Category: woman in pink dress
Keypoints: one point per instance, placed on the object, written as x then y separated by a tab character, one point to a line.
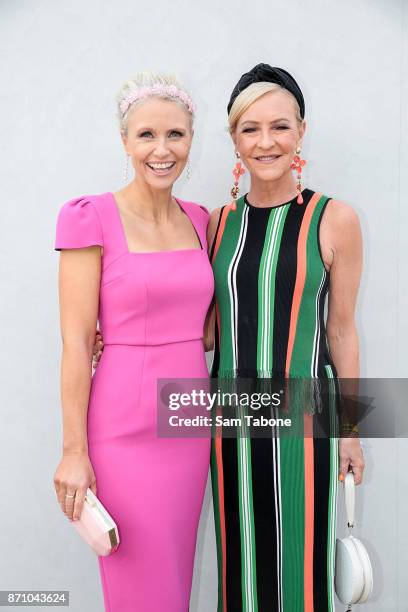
136	260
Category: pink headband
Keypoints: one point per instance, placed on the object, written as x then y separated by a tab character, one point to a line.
159	90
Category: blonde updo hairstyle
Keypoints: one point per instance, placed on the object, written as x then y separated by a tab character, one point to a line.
252	93
147	79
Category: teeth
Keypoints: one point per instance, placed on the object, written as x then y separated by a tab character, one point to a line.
267	157
161	166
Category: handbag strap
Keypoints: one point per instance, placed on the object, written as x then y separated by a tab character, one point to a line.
349	494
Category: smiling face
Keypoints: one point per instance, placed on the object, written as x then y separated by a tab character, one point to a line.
158	141
267	134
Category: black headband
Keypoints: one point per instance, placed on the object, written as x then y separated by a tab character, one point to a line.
264	72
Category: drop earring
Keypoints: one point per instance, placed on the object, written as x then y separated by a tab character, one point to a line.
188	172
297	165
237	172
126	170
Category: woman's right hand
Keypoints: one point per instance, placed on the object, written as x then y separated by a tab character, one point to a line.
73	476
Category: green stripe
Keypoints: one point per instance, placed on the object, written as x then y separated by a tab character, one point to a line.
225	253
302	354
266	288
246	518
293	517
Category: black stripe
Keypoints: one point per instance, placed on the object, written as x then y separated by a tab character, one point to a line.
318	228
234	294
216	360
232	524
216	234
265	514
247	290
321	452
286	270
323	351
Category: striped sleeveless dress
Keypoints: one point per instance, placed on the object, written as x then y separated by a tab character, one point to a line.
275	496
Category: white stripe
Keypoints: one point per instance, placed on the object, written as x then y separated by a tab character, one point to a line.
232	281
333	507
267	292
242	441
316	339
266	365
248	585
278	511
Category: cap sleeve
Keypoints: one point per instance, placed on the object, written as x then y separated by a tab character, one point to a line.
204	209
78	225
206	215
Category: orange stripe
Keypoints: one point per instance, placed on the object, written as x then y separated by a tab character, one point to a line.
300	276
309	512
221	228
218	434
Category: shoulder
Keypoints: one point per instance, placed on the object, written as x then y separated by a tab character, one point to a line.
200	208
199	211
84	204
214	219
341	216
340	227
215	216
78	222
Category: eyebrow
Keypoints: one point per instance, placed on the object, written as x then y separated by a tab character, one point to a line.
274	121
150	129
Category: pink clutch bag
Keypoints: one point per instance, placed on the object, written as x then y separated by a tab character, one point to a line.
97	527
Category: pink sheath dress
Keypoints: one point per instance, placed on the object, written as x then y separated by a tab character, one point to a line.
151	313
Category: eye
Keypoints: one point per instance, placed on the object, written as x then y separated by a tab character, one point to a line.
248	130
176	134
282	127
146	134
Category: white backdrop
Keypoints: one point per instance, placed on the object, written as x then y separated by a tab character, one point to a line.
61	66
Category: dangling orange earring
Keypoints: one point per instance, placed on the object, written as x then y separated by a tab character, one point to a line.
297	165
238	171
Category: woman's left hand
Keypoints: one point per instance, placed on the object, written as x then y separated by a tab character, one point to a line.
351	457
97	348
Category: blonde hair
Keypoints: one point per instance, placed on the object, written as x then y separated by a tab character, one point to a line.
148	80
252	93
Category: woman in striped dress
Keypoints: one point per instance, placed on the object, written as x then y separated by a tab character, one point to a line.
276	253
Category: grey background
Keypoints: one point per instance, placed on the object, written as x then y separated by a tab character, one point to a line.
61	66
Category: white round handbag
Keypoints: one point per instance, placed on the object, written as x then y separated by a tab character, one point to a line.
353	570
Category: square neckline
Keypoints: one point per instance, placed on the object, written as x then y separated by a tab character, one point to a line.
124	237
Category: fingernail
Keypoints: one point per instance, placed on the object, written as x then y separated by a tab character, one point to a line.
341	477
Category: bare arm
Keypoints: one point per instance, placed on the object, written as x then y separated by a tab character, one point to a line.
79	298
341	236
79	279
345	274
